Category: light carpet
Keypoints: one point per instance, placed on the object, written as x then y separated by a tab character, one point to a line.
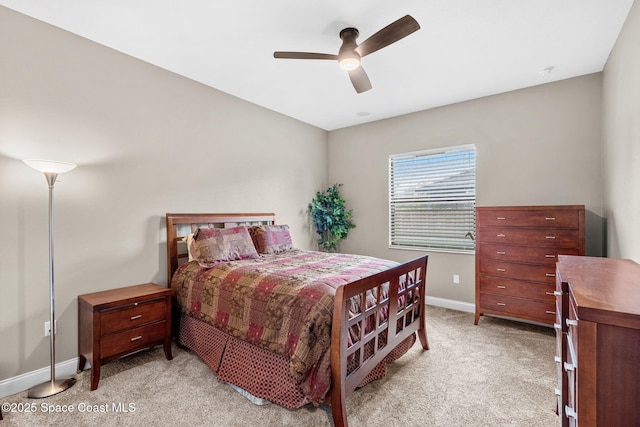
498	373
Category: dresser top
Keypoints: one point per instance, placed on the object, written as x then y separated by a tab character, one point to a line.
605	290
532	208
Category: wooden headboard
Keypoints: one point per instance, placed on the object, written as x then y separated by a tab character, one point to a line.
181	224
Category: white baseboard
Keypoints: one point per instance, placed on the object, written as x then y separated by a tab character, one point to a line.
27	380
451	304
67	368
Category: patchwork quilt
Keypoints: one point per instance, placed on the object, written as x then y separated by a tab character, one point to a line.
280	302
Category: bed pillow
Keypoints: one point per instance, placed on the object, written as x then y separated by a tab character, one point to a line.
212	245
272	239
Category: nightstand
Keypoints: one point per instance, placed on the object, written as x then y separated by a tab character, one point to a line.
117	322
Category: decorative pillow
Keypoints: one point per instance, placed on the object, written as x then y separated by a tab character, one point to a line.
272	239
212	245
188	239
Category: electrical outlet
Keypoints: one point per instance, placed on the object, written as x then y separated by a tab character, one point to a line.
47	328
456	278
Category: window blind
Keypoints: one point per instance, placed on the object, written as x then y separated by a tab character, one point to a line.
432	197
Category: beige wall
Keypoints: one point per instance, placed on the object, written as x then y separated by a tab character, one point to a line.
147	142
535	146
621	141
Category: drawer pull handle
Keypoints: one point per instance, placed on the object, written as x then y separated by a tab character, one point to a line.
501	253
569	366
571	322
570	412
501	287
549	218
551	275
557	391
136	338
551	312
557	359
557	293
501	218
136	317
557	326
550	237
549	256
501	304
501	235
550	293
501	269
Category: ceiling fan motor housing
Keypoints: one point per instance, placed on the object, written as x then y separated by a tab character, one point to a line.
348	58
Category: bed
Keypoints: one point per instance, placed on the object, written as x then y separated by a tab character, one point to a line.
258	328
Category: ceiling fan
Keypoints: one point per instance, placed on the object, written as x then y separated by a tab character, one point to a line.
351	53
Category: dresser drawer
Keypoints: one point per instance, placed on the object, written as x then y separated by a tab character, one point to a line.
511	306
528	254
133	339
133	315
546	217
508	287
559	238
536	273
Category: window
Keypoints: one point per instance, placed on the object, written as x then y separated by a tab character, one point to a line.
432	197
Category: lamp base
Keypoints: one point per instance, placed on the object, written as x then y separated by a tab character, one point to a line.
50	388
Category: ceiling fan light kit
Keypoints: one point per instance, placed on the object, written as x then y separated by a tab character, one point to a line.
350	53
350	61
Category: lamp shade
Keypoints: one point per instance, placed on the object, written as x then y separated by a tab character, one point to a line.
51	166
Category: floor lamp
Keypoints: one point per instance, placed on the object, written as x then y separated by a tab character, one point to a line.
51	170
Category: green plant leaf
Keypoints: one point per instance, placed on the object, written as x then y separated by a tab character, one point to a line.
330	218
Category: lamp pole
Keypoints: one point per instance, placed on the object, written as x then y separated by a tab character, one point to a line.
51	171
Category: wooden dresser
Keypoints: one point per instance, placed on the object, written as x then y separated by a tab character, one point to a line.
120	321
516	251
598	341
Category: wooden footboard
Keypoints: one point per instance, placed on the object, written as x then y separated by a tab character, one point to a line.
405	304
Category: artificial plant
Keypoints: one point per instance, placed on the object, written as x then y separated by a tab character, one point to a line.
331	219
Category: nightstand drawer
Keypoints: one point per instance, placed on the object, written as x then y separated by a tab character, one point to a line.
133	339
133	315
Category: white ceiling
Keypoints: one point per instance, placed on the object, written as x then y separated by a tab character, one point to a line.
465	49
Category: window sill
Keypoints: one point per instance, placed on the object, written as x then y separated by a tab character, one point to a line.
425	249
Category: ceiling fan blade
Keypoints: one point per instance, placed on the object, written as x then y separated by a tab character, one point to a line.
304	55
360	80
390	34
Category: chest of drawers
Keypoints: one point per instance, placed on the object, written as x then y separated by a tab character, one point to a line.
598	341
516	251
120	321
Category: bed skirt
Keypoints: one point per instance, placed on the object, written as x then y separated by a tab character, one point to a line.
261	373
